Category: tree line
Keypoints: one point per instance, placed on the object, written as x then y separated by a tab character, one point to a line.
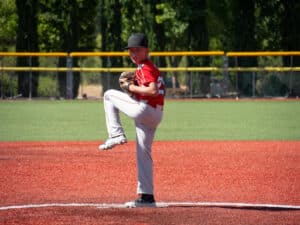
171	25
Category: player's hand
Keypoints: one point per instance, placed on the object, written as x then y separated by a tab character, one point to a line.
125	80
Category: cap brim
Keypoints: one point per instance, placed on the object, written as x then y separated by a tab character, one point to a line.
128	47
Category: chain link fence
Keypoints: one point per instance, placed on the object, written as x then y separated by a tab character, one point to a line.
214	75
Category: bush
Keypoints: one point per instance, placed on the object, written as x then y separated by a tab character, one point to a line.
8	85
47	86
271	85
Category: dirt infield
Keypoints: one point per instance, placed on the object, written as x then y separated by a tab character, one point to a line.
40	180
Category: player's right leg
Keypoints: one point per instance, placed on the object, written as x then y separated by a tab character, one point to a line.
114	102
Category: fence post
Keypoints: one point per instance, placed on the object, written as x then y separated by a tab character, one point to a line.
108	73
69	83
291	76
225	74
191	83
2	79
30	77
253	84
236	76
10	85
225	65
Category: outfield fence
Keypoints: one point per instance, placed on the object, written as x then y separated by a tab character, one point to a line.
187	74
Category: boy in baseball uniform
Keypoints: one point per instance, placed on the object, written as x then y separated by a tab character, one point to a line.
144	105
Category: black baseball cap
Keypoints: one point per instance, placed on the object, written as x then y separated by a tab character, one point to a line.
137	40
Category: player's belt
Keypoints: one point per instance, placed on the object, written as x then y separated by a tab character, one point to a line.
159	107
153	106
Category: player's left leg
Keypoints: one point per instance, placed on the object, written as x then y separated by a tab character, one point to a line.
144	140
145	132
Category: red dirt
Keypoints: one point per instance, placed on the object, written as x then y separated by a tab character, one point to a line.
202	171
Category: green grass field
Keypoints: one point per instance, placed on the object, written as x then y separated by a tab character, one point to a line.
183	120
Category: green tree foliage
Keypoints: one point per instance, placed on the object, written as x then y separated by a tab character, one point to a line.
27	41
111	29
172	25
67	26
8	24
290	41
290	21
244	39
218	24
268	16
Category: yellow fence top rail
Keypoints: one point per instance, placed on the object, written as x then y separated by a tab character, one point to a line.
171	53
186	53
50	54
162	69
267	53
105	54
111	54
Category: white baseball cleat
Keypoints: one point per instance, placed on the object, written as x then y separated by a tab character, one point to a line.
112	142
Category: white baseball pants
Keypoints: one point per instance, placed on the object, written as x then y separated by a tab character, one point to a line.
146	120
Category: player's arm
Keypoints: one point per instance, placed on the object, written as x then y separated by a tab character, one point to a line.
151	90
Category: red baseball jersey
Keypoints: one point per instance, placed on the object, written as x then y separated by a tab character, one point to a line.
145	74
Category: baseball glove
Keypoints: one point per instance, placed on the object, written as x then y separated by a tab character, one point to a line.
125	80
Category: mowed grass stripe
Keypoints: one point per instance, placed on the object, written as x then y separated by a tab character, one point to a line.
183	120
232	120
